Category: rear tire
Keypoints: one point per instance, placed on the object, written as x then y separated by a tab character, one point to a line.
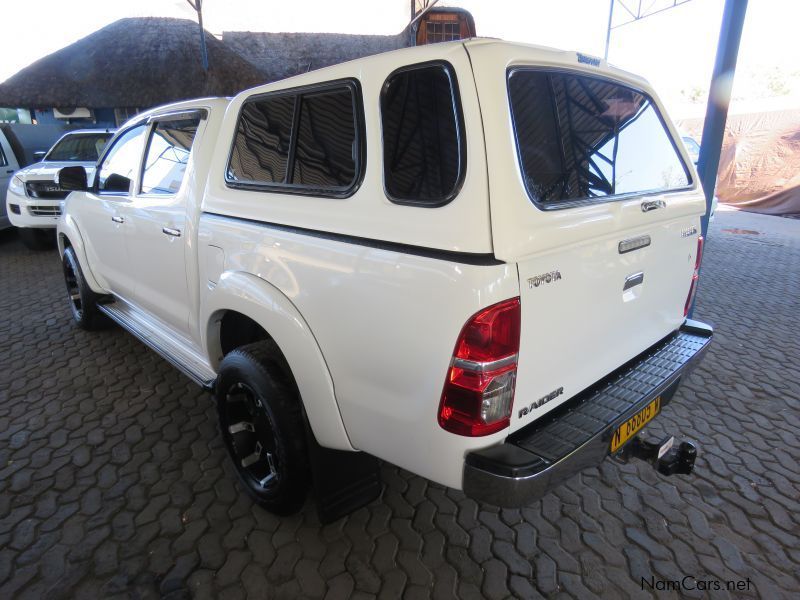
82	300
38	239
261	421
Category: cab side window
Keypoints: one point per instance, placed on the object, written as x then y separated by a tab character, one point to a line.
121	163
3	161
167	155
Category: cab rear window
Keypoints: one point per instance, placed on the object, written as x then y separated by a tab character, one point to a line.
582	138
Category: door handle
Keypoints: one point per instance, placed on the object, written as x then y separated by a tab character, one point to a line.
633	281
649	205
171	231
9	170
117	219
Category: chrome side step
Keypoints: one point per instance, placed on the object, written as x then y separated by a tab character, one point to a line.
182	358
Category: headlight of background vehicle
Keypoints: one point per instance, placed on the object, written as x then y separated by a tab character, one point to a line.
16	186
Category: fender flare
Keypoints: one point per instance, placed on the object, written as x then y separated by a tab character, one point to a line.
265	304
68	228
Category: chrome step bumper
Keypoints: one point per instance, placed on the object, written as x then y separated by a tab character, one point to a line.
577	434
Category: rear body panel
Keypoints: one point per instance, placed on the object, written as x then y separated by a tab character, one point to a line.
578	321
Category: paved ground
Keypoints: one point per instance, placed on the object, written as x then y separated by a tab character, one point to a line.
113	480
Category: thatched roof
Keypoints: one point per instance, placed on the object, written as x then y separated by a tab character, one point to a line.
136	62
280	55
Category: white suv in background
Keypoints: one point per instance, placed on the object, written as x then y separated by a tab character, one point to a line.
34	200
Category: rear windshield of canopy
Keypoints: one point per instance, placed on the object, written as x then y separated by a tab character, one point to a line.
80	147
582	138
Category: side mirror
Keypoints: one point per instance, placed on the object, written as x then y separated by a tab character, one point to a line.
117	183
72	179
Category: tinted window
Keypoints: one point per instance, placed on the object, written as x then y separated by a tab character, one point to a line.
325	156
582	137
3	161
422	147
83	148
261	148
167	155
121	163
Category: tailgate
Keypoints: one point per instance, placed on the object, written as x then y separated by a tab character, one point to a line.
596	203
587	309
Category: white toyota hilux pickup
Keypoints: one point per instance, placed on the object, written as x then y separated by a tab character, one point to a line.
473	260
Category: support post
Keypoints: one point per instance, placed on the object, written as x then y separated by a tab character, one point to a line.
203	49
197	5
608	30
719	97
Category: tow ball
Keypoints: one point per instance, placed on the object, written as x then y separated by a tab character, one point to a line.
664	456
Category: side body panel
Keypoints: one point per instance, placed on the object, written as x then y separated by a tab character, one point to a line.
385	322
105	223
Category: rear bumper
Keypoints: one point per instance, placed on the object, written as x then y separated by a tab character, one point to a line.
577	434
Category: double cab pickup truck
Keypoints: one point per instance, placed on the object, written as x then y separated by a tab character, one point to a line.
474	260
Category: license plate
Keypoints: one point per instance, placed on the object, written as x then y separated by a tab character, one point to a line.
633	425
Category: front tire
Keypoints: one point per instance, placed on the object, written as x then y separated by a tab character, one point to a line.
261	421
82	300
37	239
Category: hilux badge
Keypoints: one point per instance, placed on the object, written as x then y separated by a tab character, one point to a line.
688	232
534	282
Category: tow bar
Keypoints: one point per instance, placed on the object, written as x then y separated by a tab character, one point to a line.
663	456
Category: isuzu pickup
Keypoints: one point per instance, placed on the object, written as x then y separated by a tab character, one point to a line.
472	259
33	201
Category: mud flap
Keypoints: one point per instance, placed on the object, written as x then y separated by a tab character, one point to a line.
342	481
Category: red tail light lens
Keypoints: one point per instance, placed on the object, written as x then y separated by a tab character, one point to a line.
695	276
479	390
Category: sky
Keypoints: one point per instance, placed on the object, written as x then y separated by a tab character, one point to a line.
674	49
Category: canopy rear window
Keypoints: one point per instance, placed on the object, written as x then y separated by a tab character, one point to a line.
582	138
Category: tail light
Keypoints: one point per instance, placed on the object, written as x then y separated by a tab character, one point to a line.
479	390
695	276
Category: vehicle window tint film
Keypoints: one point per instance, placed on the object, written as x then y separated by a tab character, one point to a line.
167	155
421	146
261	146
121	163
583	137
325	156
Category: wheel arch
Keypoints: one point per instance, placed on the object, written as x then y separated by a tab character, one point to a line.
68	235
240	298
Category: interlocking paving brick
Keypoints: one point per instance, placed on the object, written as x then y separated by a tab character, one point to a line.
114	482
